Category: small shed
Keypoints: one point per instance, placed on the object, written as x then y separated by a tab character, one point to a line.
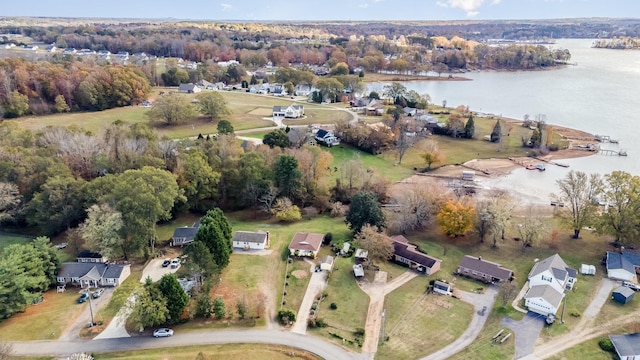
587	269
623	294
358	271
442	287
327	263
361	254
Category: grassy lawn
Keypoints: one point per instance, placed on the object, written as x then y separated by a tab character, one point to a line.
44	321
219	352
8	239
409	316
587	350
380	164
318	115
352	303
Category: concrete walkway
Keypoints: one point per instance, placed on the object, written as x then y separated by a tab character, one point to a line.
479	301
516	302
317	283
116	328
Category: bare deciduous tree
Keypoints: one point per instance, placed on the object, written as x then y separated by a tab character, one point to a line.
578	191
531	228
415	207
377	244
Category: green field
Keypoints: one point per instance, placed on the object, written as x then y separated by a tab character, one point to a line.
8	239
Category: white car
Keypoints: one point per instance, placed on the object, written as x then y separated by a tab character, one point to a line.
631	285
175	263
163	332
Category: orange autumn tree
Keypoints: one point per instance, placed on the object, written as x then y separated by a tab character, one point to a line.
456	218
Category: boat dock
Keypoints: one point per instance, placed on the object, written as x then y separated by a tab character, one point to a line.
612	152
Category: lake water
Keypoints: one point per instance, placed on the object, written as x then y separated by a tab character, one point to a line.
598	95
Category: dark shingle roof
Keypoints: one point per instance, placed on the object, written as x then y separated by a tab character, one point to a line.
89	254
113	271
485	267
79	269
185	232
618	261
626	345
250	236
402	248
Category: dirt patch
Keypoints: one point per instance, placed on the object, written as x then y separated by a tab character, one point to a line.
300	274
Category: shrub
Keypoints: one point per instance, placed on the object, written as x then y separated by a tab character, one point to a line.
286	316
314	306
606	345
327	238
333	306
359	332
321	323
337	210
575	313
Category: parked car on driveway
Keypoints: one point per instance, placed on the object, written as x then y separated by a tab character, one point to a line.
166	262
96	294
631	285
163	332
175	263
83	297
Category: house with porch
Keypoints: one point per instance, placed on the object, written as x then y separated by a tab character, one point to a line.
293	111
477	268
327	138
250	240
548	281
305	244
185	235
408	255
88	274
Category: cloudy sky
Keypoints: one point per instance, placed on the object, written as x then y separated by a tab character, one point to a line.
324	9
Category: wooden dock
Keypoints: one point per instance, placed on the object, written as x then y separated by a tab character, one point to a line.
612	152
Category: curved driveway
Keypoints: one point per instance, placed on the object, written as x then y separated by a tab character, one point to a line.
64	348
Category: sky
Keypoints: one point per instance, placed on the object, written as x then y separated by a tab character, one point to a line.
293	10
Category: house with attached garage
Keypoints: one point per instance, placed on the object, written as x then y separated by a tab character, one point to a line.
327	138
627	346
548	281
489	272
305	244
251	240
189	88
408	255
623	266
185	235
293	111
88	274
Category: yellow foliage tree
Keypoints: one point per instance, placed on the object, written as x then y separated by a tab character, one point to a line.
456	218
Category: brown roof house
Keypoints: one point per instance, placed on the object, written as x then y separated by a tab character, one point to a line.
305	244
477	268
407	254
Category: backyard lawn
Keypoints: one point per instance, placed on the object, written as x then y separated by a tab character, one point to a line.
8	239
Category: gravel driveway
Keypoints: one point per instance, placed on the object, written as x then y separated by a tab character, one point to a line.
154	270
526	332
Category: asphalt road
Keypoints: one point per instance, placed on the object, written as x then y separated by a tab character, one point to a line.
66	348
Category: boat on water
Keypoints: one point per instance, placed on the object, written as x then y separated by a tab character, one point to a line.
540	167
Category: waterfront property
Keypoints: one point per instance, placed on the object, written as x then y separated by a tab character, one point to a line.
548	280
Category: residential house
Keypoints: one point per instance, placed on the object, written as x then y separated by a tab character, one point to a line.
88	274
91	257
251	240
69	51
407	254
51	48
483	270
219	86
31	47
189	88
123	56
305	244
292	111
623	294
227	63
185	235
409	111
627	346
327	138
374	107
548	280
327	263
441	287
303	90
623	266
204	84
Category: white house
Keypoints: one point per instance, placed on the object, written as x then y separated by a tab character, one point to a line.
327	137
292	111
251	240
89	274
303	90
548	280
623	266
189	88
305	244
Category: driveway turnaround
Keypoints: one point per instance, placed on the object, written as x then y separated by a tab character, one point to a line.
316	285
155	271
479	301
526	332
65	348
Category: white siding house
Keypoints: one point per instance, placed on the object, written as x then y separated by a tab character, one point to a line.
251	240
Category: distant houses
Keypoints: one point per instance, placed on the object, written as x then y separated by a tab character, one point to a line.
189	88
293	111
408	255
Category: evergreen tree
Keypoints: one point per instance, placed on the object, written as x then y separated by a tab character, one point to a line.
469	128
218	308
364	209
215	233
496	133
175	296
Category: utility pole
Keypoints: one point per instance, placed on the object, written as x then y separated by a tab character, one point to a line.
91	309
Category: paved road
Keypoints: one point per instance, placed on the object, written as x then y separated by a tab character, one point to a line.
526	332
477	323
65	348
316	285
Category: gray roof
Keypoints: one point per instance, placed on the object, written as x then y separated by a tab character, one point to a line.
258	237
186	232
555	264
328	259
277	108
485	267
624	291
441	285
187	87
113	271
626	345
626	261
93	271
551	295
402	248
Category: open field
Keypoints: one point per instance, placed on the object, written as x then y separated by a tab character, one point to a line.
418	324
380	164
587	350
8	239
219	352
